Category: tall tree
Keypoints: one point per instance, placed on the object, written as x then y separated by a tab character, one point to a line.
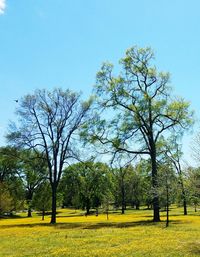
167	185
142	107
48	122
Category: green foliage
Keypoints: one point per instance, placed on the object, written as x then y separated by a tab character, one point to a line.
86	184
141	103
9	177
17	192
6	200
8	163
168	184
42	197
128	187
193	185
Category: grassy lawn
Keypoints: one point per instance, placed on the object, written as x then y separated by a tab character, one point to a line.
132	234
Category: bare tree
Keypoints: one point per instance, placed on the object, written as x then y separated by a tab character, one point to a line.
48	122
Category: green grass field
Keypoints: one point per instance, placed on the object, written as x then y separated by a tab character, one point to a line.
132	234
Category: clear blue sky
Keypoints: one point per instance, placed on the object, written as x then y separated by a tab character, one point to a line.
48	43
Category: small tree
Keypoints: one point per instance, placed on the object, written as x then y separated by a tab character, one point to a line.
193	183
167	183
69	186
42	198
107	201
173	153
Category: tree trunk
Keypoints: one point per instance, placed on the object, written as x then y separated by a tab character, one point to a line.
29	201
183	191
167	207
167	221
156	207
29	212
185	205
137	205
53	207
123	198
184	198
43	213
87	207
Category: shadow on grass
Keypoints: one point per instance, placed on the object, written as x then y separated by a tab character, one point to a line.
9	217
92	226
182	215
14	216
195	248
119	224
71	215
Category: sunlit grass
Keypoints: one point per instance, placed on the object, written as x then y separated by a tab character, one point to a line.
132	234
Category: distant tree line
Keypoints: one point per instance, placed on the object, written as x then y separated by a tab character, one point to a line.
91	186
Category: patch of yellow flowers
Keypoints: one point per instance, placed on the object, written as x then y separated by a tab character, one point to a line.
75	235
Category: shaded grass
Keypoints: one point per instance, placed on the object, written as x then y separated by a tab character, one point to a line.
83	225
132	234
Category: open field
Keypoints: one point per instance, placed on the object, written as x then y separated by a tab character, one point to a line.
132	234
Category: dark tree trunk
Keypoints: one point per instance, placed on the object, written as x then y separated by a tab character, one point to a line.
156	207
29	201
185	205
53	207
167	207
43	214
29	212
137	205
183	190
184	198
87	207
167	221
123	198
107	214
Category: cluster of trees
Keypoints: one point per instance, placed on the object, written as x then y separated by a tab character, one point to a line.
132	120
92	185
